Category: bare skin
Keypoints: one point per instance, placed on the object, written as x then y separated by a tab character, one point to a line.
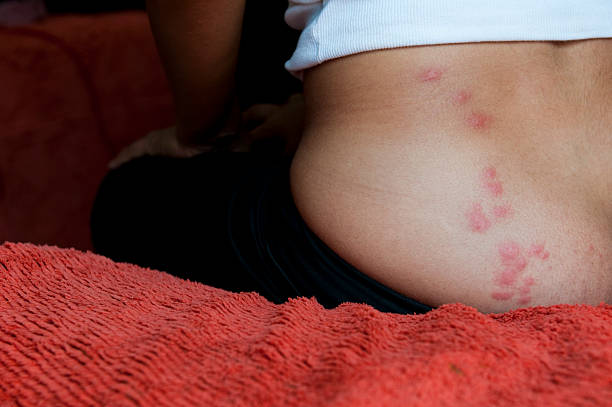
473	173
198	43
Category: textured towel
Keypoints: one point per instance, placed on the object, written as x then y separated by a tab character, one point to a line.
77	329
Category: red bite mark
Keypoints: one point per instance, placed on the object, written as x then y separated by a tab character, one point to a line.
525	289
490	182
495	188
514	264
431	75
477	219
462	97
509	252
502	211
478	121
507	277
511	272
490	173
524	300
537	250
502	296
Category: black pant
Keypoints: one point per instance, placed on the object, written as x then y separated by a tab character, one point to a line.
227	220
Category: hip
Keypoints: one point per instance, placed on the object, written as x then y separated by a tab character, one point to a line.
450	175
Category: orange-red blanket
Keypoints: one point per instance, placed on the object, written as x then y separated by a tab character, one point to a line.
77	329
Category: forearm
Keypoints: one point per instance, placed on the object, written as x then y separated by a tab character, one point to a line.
198	42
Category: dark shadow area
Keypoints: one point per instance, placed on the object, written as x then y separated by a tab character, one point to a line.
93	6
267	42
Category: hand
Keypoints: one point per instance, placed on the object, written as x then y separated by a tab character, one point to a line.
260	124
265	123
159	142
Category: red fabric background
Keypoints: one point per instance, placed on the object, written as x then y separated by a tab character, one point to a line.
79	330
73	91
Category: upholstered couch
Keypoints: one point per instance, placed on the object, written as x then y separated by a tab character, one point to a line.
74	89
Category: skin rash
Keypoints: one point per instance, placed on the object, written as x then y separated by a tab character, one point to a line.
479	221
431	75
479	121
510	279
502	211
490	182
462	97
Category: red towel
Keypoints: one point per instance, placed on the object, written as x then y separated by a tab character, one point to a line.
77	329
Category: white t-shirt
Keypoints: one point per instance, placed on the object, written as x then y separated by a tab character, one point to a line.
336	28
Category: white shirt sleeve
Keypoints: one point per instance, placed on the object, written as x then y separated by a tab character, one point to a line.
336	28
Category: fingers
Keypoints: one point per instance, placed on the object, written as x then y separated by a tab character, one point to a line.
134	150
281	128
257	114
159	142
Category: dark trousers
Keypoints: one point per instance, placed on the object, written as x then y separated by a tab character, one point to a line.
227	220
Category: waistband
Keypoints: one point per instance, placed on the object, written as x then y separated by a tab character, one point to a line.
288	260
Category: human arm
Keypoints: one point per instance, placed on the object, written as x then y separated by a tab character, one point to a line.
198	42
199	133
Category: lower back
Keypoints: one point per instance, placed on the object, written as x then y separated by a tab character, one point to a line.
475	173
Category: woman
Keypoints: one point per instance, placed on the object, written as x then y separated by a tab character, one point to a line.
450	153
